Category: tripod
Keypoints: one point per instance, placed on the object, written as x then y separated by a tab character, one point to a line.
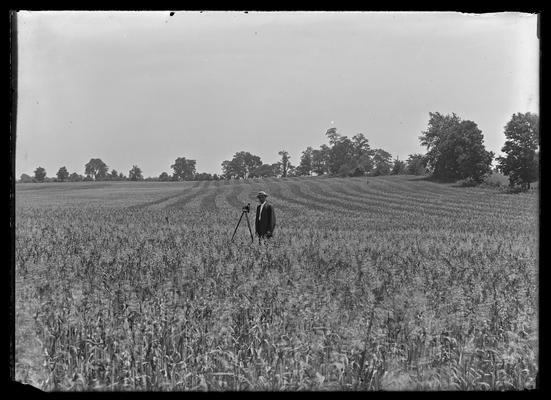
245	212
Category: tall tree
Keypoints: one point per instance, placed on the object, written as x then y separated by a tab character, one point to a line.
349	167
264	171
476	162
455	148
305	165
291	170
250	161
114	175
363	154
332	135
62	174
284	162
416	164
365	163
320	160
203	176
521	161
342	152
164	177
135	174
241	165
398	167
382	161
39	174
228	171
277	169
26	178
96	169
346	156
184	169
74	177
360	145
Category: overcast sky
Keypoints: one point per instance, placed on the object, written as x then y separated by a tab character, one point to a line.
145	88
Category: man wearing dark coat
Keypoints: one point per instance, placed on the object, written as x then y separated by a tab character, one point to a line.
265	220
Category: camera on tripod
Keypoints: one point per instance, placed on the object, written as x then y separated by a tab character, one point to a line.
244	211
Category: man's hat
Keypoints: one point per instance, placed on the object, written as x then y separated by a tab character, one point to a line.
262	193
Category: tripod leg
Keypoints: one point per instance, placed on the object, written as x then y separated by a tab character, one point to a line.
237	226
250	231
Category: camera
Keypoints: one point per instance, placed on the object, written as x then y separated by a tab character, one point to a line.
247	208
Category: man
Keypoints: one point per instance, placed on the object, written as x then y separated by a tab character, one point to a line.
265	220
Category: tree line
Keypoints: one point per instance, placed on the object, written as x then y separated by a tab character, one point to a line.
455	150
95	170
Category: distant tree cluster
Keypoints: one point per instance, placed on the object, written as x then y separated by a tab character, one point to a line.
350	157
94	170
97	170
245	165
455	150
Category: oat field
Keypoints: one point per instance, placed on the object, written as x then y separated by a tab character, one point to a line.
385	283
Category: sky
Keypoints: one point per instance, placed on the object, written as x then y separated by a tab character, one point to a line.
144	88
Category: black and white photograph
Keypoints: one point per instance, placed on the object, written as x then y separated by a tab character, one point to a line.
275	201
